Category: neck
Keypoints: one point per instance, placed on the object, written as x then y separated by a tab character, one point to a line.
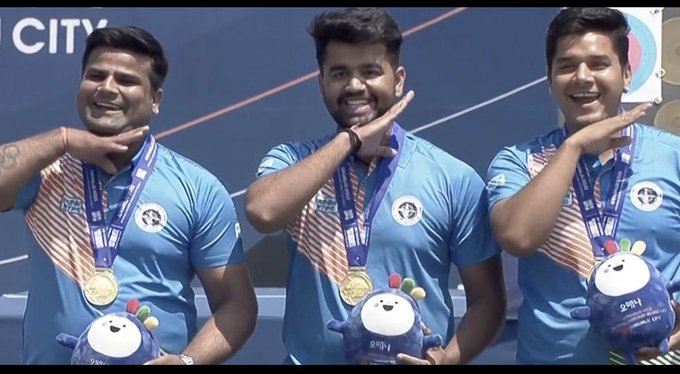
573	128
121	160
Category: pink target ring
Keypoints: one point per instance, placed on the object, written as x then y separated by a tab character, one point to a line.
634	52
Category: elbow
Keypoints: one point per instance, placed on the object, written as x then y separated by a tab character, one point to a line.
519	243
261	218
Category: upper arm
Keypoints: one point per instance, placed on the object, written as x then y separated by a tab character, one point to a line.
217	232
228	282
507	174
24	197
484	279
471	241
279	158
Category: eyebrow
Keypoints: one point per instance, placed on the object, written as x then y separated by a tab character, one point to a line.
362	66
123	74
602	57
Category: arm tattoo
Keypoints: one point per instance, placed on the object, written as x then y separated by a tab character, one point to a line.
8	156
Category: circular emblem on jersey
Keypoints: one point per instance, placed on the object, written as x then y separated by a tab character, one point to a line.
151	217
646	196
407	210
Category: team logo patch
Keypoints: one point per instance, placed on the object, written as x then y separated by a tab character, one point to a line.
497	181
407	210
325	204
646	196
71	204
151	217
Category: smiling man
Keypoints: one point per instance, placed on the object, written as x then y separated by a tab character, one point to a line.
369	200
115	216
559	200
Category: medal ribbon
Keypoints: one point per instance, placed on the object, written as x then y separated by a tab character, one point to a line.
357	250
106	239
602	227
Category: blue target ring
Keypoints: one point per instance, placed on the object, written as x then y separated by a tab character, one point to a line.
646	54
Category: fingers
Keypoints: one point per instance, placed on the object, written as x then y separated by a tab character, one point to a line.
384	151
399	107
131	136
619	142
647	353
405	359
115	148
629	117
107	165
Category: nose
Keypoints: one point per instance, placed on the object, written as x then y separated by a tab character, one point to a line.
107	85
583	73
355	85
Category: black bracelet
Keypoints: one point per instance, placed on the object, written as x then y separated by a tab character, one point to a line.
354	140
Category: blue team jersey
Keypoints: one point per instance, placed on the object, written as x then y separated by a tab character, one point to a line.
553	279
432	215
184	220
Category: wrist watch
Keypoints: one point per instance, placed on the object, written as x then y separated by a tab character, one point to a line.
188	360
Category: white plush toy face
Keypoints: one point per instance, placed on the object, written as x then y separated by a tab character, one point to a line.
114	336
622	274
387	314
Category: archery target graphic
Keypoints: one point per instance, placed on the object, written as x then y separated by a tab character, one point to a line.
644	54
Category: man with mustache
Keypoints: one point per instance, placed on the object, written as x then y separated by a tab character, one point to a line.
116	216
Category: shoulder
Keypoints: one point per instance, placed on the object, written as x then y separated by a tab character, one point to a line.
654	139
174	165
424	157
541	144
305	147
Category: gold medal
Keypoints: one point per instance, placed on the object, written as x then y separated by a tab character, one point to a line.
102	288
355	286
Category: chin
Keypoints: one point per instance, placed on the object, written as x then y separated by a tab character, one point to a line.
353	121
103	130
585	119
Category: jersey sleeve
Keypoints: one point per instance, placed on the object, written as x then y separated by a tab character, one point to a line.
507	174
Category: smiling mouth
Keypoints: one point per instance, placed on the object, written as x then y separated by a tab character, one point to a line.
618	268
584	98
387	308
114	329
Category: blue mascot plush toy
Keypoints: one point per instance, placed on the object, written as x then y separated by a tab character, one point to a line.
122	338
628	302
384	323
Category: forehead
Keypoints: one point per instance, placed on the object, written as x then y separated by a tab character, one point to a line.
590	43
346	54
108	58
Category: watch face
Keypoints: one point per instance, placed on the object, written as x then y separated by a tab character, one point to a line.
186	359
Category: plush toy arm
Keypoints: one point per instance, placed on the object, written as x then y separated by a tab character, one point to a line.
67	340
663	346
432	340
630	358
582	312
673	286
335	325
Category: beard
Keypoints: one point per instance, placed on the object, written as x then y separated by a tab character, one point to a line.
345	119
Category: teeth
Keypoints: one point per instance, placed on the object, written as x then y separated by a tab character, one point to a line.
356	102
106	106
585	95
